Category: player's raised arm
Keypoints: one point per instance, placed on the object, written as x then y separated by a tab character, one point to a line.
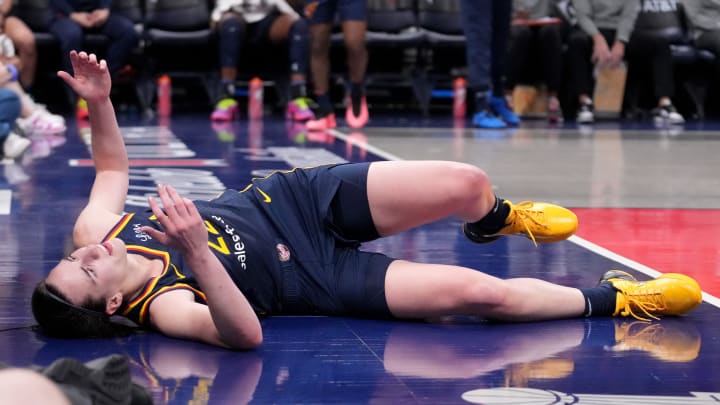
91	81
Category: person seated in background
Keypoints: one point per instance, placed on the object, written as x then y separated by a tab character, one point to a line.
34	119
260	22
71	19
13	145
703	18
22	51
604	29
658	25
537	27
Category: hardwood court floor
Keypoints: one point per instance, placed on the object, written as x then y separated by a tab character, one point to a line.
648	201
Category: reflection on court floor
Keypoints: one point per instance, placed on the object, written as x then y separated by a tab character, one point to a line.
459	360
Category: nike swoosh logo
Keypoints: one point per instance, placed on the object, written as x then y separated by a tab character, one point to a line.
266	197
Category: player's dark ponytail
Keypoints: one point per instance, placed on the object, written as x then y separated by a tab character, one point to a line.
59	318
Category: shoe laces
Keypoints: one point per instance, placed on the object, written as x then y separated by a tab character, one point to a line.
525	214
644	298
643	331
226	104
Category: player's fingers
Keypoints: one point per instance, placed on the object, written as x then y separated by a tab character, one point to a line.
177	200
167	202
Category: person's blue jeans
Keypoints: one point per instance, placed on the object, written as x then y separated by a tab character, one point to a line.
119	30
9	112
487	27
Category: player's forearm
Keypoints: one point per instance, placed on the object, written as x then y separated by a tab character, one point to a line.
232	314
108	146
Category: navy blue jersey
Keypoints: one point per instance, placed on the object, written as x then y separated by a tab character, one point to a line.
284	242
238	234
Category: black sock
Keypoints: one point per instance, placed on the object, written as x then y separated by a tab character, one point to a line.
227	88
481	101
600	300
324	105
599	332
356	94
297	90
493	221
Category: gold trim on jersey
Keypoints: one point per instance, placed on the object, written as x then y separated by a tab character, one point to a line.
162	255
119	227
151	297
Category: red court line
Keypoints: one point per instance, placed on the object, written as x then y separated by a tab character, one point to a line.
667	240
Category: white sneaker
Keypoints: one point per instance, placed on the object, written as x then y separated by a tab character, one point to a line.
668	114
42	109
14	173
56	118
15	145
41	122
585	114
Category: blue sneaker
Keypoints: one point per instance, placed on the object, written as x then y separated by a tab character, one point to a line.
484	119
501	108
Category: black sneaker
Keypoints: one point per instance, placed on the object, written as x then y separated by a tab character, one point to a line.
667	114
104	381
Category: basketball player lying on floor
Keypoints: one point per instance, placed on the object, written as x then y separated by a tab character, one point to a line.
288	244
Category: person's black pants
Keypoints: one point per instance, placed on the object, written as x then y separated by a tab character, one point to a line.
532	45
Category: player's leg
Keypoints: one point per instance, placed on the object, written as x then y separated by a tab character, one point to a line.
417	290
406	194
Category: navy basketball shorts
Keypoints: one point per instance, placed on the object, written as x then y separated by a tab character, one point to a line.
324	215
347	10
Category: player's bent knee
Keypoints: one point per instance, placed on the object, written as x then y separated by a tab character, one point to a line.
483	298
470	181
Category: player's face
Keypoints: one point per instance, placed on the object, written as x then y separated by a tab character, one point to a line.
93	271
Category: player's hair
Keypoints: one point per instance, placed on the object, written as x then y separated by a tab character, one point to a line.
58	317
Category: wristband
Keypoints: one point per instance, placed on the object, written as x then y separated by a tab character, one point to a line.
13	72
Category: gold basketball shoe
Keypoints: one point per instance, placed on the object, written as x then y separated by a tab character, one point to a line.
668	294
539	221
666	341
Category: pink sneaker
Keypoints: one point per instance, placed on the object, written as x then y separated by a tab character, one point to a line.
323	123
299	110
359	121
40	123
225	110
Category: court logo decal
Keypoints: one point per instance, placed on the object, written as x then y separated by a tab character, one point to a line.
531	396
283	252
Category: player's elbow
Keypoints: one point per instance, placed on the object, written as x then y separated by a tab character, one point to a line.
247	341
256	340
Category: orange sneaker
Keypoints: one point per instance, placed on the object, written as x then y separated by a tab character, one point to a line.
360	120
322	123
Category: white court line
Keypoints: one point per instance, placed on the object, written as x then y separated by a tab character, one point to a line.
601	251
367	146
5	201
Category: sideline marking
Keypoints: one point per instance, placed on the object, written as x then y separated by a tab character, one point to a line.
601	251
367	146
5	202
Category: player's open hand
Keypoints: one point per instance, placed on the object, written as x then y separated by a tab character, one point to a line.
184	228
91	78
